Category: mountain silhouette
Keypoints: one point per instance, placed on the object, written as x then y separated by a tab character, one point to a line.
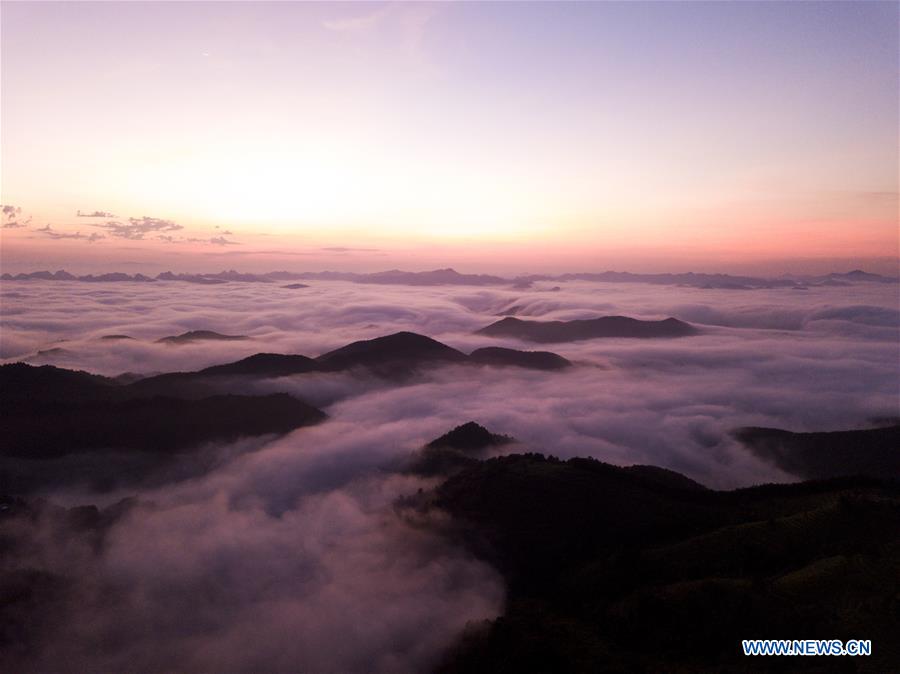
469	436
534	360
190	278
264	365
430	278
218	378
452	277
663	477
21	383
404	352
570	331
157	424
49	412
612	569
393	354
42	406
456	449
871	451
860	275
199	336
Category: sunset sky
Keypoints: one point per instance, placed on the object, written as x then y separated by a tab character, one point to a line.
505	136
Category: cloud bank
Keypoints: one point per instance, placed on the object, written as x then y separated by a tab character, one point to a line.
287	554
823	359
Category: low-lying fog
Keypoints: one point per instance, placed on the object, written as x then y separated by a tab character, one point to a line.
288	555
825	358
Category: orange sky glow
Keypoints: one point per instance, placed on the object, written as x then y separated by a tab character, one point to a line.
521	137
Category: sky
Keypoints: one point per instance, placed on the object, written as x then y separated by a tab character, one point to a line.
506	137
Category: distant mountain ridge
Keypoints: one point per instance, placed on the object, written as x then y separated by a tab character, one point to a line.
392	356
533	360
395	355
449	276
570	331
199	336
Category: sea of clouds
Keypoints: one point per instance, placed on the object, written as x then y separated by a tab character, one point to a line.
826	358
287	554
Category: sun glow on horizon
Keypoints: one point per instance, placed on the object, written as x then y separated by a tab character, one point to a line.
632	127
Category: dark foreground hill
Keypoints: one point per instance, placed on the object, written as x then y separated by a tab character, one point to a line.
23	383
570	331
607	569
56	424
615	570
159	425
870	451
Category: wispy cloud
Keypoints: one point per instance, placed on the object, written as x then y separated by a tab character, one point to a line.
278	253
48	231
360	24
404	23
10	217
95	214
878	196
136	228
221	241
144	228
214	240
